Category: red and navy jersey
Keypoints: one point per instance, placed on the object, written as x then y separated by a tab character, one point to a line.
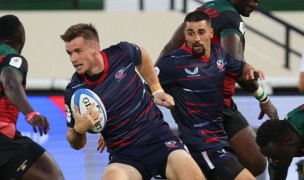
9	58
225	20
196	85
132	114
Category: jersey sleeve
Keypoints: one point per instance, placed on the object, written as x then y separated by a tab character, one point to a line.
68	93
134	52
68	109
17	62
229	22
165	69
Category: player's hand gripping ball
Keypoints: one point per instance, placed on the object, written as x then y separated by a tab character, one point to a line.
83	98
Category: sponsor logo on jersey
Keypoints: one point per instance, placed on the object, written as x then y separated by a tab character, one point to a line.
242	28
171	144
16	62
221	65
193	73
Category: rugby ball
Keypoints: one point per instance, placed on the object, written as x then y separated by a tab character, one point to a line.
83	98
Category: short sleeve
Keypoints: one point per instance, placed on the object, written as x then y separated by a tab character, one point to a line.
15	61
134	52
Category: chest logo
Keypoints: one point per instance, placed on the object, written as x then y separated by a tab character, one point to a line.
120	74
192	73
221	65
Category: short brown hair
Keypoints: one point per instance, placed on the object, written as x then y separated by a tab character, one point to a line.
87	31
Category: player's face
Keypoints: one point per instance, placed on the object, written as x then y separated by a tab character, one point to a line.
82	54
245	7
198	36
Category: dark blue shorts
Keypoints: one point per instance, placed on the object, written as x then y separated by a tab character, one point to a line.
218	163
233	120
150	157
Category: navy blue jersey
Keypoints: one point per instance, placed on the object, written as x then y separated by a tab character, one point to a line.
132	115
196	85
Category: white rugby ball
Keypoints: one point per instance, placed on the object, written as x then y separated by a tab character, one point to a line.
83	98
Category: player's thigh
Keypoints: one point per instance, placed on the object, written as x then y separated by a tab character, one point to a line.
45	168
121	171
181	165
247	150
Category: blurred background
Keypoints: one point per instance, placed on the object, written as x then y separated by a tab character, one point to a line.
274	43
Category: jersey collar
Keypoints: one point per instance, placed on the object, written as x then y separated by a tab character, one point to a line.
105	71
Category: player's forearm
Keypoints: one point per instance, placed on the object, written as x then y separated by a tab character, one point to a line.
77	141
249	86
14	91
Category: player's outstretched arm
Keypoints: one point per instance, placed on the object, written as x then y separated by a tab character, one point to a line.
147	72
258	92
12	85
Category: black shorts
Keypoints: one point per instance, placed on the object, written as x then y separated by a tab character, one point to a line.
218	163
150	158
17	155
233	120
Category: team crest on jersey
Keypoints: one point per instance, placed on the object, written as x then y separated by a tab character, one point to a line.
242	28
120	74
193	73
171	144
16	62
221	65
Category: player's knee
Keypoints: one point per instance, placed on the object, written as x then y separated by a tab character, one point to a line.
113	172
121	172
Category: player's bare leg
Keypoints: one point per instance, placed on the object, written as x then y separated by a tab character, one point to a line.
122	172
248	153
181	166
45	168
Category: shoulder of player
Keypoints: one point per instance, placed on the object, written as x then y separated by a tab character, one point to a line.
14	60
123	46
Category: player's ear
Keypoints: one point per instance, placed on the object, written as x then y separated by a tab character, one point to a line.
96	48
211	32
